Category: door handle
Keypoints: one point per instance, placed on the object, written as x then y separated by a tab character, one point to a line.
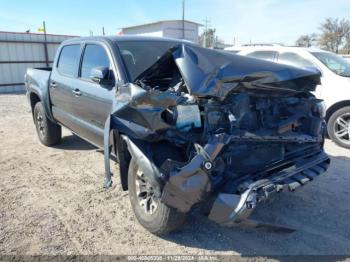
53	84
76	92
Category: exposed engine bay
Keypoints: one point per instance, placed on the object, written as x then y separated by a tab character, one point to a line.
201	122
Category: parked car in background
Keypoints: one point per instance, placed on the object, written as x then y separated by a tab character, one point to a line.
346	57
335	81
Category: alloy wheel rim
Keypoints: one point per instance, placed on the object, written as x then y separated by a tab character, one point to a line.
145	194
40	123
342	128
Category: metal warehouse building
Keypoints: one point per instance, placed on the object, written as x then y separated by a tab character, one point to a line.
169	28
19	51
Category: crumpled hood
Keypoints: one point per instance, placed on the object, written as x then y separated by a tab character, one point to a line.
208	72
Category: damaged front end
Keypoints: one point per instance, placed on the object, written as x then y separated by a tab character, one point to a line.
202	123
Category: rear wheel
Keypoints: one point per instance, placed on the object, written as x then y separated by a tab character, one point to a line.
49	133
151	213
339	127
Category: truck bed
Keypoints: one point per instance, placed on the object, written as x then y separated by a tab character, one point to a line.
37	82
38	77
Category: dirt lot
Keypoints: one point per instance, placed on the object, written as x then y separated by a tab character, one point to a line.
52	202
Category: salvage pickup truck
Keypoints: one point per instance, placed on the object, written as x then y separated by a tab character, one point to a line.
188	125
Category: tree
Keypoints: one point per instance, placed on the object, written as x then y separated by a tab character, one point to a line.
346	48
334	32
306	40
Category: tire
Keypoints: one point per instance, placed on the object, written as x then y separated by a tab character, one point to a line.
49	133
338	127
163	220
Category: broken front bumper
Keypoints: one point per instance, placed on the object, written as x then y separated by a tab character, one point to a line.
232	209
193	182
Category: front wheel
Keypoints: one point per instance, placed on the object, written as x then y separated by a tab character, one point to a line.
339	127
151	213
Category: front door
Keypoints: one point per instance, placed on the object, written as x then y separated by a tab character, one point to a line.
93	101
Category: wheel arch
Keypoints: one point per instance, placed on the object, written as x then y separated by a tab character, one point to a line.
335	107
120	149
125	151
33	98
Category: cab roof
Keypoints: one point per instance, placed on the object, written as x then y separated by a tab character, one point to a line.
126	38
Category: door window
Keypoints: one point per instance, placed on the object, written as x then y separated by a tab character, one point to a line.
68	62
294	59
265	55
95	56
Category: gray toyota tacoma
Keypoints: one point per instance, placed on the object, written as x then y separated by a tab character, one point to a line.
189	126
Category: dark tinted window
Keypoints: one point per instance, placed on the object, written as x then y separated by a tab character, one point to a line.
68	62
265	55
294	60
139	56
94	56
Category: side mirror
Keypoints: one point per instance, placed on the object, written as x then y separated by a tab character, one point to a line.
99	74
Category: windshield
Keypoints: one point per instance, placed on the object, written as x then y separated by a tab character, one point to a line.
334	62
140	55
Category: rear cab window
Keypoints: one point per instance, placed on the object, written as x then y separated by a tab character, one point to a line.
68	62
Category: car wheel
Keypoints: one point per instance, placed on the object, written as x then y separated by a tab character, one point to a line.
49	133
151	213
339	127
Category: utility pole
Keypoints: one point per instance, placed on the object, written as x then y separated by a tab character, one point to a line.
45	46
103	30
183	19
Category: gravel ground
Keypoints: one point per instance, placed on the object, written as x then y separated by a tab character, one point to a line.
52	202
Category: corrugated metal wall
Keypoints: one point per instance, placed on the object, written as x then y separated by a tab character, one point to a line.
19	51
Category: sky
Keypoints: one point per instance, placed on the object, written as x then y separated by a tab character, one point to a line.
245	21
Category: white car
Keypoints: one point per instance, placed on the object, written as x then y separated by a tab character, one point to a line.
335	81
346	57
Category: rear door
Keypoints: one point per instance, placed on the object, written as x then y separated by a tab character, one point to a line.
64	79
93	101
